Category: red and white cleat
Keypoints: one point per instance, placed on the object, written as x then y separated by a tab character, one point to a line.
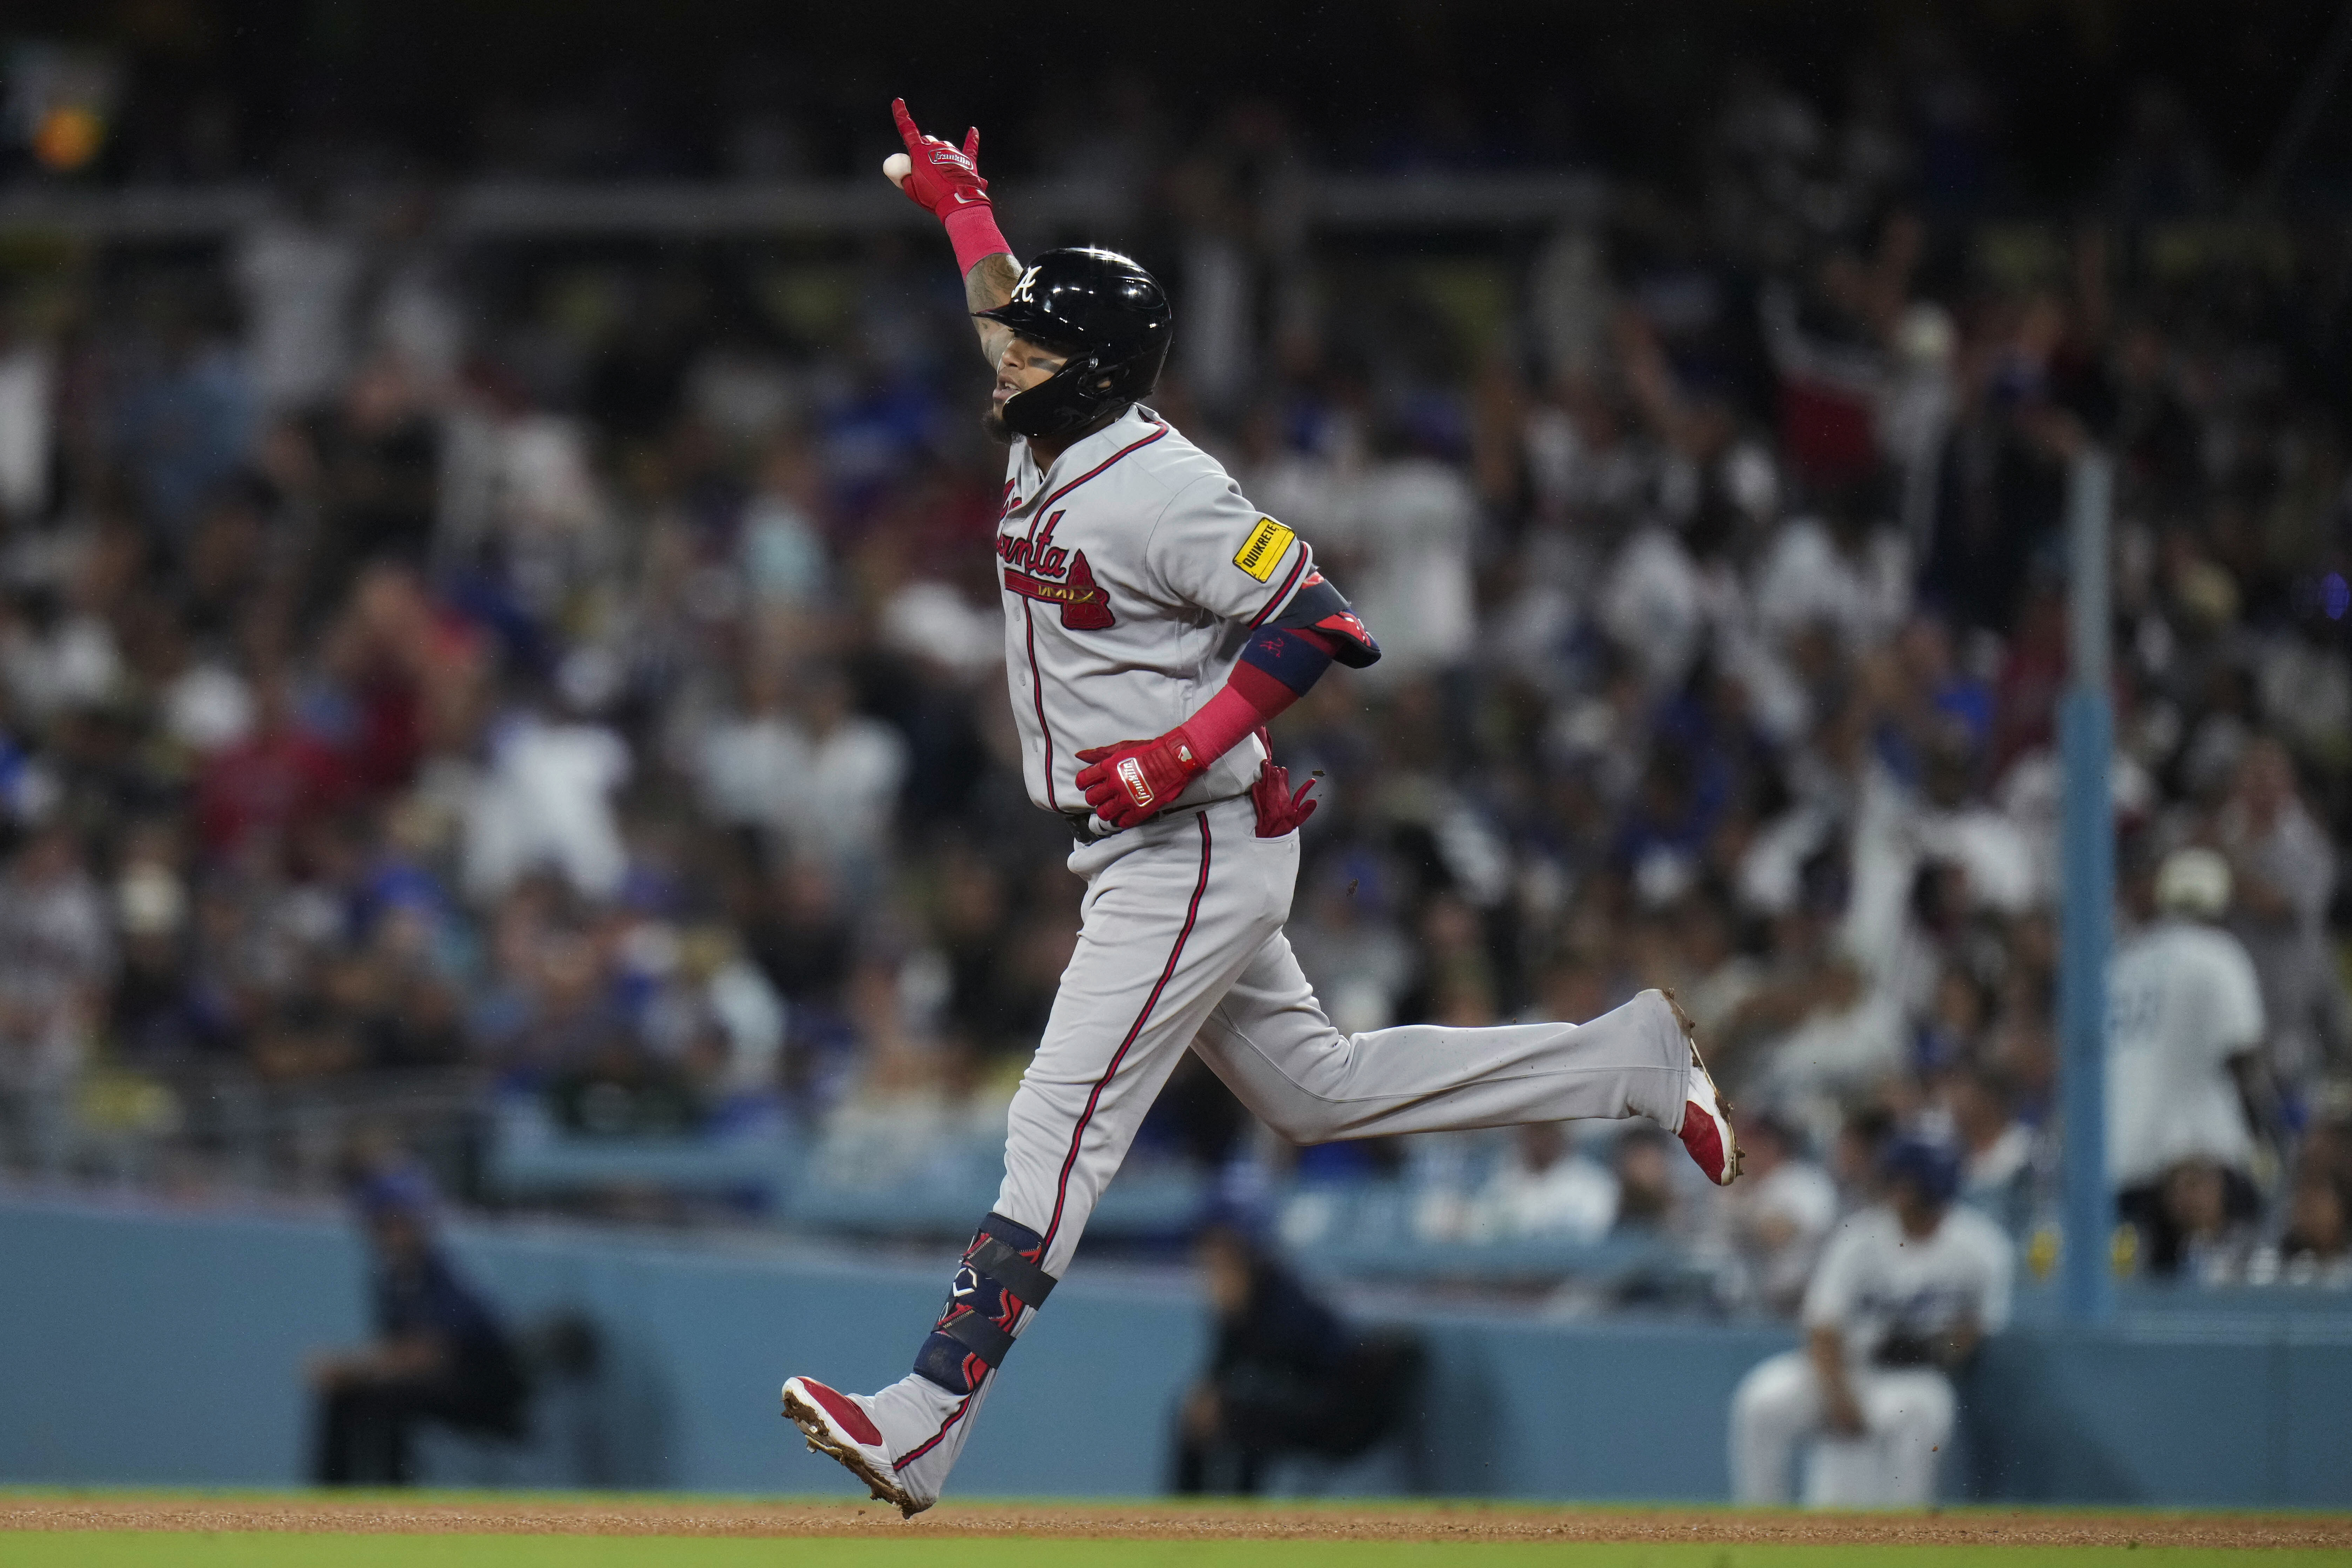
1706	1118
839	1424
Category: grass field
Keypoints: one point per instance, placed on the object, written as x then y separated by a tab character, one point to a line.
195	1530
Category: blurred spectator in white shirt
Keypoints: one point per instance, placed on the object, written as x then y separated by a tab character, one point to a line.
57	954
931	622
1411	540
825	777
299	276
519	495
2031	795
1653	604
2185	1026
1849	1039
841	806
545	801
744	756
1841	572
28	424
415	313
1953	825
1542	1187
2284	874
208	706
57	661
1780	1212
713	1010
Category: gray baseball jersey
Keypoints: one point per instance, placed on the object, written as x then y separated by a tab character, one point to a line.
1132	574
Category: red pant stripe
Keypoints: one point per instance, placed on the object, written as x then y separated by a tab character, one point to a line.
953	1416
1062	1189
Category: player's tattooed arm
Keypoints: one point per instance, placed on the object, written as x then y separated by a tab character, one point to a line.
988	285
944	180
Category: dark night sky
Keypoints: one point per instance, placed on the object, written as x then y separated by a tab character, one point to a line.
1623	84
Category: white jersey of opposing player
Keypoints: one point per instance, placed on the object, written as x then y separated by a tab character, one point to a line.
2182	1000
1133	572
1875	1281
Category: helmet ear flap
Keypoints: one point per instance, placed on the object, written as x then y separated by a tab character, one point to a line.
1082	389
1139	376
1062	402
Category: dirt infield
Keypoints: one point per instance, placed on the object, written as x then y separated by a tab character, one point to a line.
476	1514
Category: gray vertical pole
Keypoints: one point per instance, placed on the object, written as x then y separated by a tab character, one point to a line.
2087	853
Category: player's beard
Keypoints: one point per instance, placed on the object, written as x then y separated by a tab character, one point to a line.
992	421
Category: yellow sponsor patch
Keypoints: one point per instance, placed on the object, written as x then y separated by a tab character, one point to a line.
1268	543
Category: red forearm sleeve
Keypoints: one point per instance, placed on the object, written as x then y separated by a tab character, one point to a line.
1128	782
973	231
1251	698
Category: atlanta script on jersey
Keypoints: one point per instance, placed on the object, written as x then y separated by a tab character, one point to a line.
1132	575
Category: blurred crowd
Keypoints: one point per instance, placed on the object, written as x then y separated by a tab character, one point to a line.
578	674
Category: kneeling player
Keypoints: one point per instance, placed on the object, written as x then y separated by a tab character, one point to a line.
1902	1296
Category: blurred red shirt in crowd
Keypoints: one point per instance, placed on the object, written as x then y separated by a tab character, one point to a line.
273	780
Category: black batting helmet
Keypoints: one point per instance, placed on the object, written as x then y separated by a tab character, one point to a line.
1109	314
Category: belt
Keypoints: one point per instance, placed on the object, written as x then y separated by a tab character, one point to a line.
1082	822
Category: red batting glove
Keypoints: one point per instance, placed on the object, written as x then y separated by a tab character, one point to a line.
1136	780
1280	809
943	180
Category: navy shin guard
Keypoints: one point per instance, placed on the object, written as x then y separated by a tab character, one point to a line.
999	1279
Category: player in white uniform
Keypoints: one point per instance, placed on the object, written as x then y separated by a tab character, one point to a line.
1903	1292
1145	597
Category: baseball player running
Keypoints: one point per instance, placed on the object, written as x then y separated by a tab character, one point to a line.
1145	597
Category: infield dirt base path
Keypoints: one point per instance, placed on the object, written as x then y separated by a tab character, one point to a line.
487	1515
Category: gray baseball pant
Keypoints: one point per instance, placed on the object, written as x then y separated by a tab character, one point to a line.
1180	943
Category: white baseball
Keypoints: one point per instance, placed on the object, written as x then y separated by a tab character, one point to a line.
898	166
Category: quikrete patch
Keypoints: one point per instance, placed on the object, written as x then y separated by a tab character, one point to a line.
1263	551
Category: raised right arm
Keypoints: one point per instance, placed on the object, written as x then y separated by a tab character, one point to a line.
945	181
987	285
